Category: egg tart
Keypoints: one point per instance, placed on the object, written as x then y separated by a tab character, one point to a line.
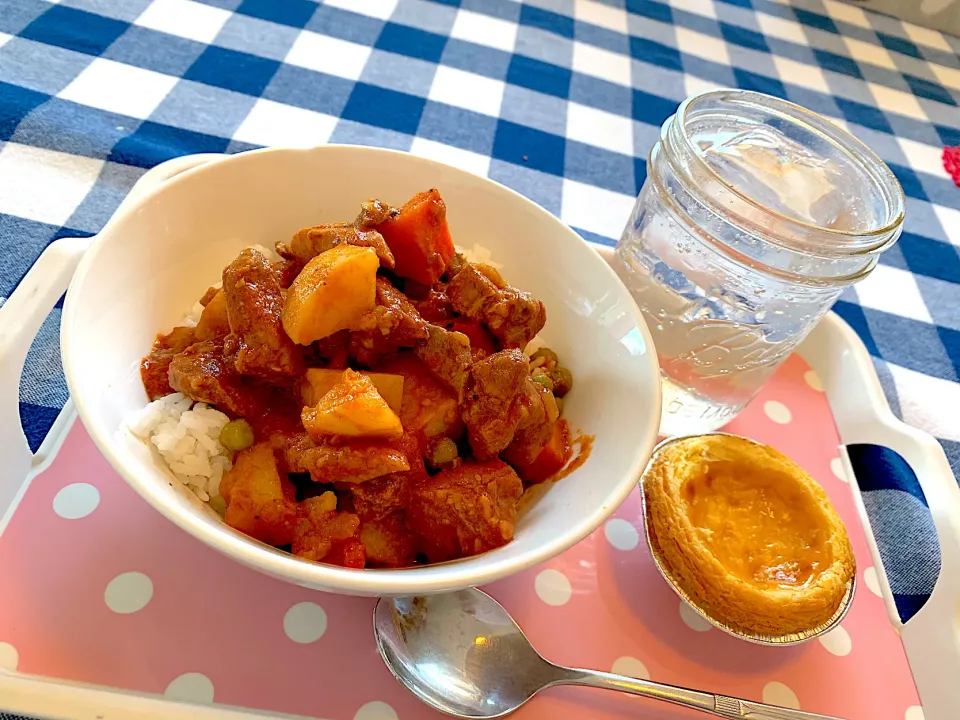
748	536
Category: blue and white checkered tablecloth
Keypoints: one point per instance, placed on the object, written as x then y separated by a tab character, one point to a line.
558	99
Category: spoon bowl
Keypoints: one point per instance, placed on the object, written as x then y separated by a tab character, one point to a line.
462	654
459	653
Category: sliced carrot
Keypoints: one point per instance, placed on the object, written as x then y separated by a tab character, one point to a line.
551	459
481	341
420	239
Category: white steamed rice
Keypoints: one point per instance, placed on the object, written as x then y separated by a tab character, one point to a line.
477	253
186	436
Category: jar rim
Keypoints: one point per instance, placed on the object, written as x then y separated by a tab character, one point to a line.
870	259
875	168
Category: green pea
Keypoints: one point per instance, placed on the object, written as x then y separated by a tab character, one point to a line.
548	355
218	505
541	378
236	435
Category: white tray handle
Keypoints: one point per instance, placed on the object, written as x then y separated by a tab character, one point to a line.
931	638
24	312
20	319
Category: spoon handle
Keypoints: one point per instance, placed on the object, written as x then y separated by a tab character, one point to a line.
718	705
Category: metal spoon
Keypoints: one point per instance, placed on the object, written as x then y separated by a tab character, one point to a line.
463	654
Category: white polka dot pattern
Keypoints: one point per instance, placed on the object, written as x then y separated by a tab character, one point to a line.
76	501
776	693
813	380
872	580
9	657
631	667
376	710
837	642
128	593
692	619
553	587
836	467
621	534
777	411
305	622
190	687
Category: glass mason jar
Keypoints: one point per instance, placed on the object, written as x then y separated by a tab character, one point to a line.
754	216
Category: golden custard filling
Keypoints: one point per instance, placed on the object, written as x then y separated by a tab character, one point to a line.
746	535
761	529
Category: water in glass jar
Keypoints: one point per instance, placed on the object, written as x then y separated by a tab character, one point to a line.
720	326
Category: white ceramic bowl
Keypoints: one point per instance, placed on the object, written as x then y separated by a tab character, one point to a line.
169	243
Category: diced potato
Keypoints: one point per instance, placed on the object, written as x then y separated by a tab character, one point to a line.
388	542
260	503
319	381
352	408
323	503
213	321
331	293
427	406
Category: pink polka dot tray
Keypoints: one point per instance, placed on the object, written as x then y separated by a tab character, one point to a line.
109	611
